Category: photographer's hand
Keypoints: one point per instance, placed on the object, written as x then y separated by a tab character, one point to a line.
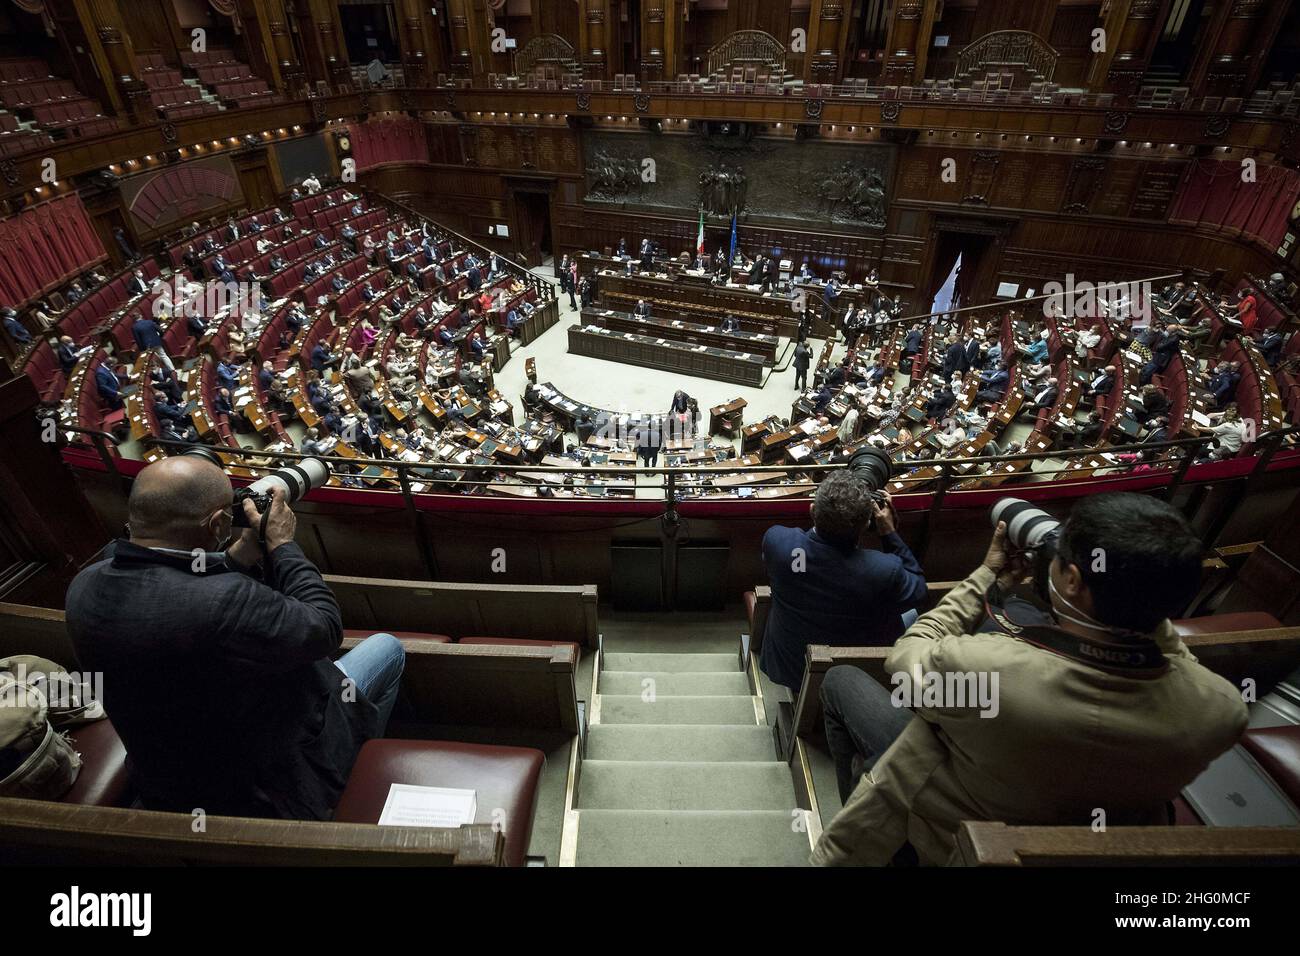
886	517
996	559
281	521
243	550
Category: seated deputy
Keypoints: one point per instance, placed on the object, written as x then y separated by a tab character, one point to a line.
828	590
215	650
1063	731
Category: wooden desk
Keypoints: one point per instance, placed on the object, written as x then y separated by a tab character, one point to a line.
702	361
726	418
682	330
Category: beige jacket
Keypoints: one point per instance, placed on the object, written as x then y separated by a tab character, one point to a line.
1067	740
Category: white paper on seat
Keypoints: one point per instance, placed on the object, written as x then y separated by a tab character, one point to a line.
411	806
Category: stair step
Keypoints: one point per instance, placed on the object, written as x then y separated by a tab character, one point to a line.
692	838
672	683
677	785
676	663
630	709
702	742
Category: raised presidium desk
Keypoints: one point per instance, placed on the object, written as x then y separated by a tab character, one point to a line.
704	361
682	330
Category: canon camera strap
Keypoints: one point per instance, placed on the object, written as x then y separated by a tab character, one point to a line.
1140	658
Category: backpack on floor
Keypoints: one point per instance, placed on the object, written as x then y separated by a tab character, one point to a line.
38	699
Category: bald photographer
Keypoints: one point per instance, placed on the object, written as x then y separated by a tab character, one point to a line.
215	643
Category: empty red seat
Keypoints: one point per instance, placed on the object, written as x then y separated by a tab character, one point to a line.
504	780
1277	750
103	780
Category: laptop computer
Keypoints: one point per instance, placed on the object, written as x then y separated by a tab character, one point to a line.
1234	791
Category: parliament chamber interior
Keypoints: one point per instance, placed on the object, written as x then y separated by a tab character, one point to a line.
650	433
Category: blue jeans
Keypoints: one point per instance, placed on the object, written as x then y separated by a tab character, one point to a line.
375	665
861	723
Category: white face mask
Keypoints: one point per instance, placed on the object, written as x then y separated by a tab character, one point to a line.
1084	619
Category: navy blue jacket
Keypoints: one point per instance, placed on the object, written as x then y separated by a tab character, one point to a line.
147	335
221	684
842	598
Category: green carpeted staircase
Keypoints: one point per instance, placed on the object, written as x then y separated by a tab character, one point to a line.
681	769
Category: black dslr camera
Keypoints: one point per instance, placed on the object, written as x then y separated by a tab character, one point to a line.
873	468
295	480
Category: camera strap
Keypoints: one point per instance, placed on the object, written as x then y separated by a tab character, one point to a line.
1140	659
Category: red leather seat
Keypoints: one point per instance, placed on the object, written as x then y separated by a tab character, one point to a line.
504	780
1277	749
363	633
103	780
1224	623
519	642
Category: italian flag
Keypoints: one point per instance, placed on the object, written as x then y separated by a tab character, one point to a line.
699	239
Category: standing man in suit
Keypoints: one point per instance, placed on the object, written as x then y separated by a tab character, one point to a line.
826	589
802	356
649	441
148	338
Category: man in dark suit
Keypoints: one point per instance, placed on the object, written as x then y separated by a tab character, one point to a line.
1102	382
148	338
972	348
939	402
802	355
642	309
828	590
137	285
649	441
17	331
730	324
170	608
954	359
993	384
66	354
108	386
322	358
1044	397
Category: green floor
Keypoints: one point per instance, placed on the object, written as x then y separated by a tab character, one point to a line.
681	766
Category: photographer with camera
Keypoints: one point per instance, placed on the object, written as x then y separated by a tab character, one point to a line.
1097	705
215	646
826	589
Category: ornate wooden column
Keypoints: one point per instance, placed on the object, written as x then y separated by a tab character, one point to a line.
1132	28
287	68
660	39
1231	51
114	57
907	43
471	37
827	35
328	29
421	52
594	31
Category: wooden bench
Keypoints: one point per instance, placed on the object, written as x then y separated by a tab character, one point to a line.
34	831
481	685
1265	656
538	612
996	844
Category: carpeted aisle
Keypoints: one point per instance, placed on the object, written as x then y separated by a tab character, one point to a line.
681	770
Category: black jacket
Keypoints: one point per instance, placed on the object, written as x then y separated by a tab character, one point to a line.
221	686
